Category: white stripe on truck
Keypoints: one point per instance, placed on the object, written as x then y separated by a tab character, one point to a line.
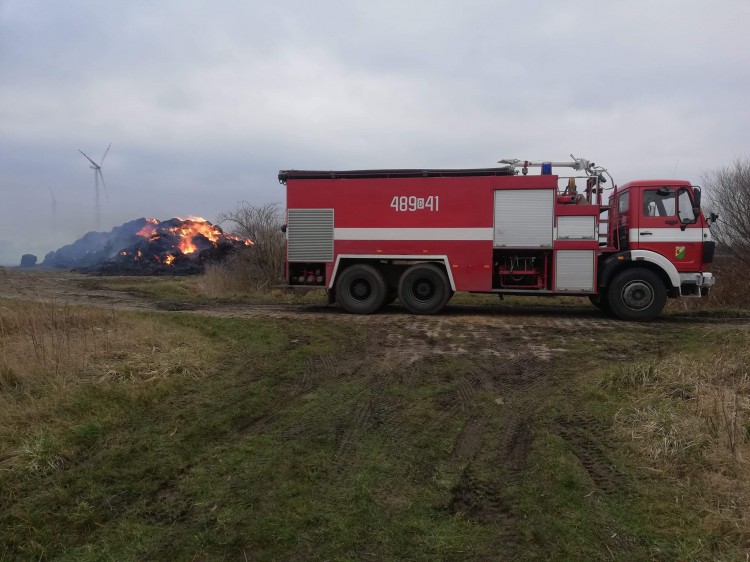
660	234
412	233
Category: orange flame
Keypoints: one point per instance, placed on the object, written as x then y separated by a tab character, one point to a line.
190	228
148	230
186	246
185	233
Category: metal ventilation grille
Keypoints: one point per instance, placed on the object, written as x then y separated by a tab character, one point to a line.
310	235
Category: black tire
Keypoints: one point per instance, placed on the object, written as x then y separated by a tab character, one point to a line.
637	294
424	289
361	289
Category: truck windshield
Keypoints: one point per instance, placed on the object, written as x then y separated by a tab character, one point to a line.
656	205
685	206
623	202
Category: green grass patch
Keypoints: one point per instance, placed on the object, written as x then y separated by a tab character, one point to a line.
326	439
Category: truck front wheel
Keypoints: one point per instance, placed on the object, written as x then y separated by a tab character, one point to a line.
424	289
637	294
361	289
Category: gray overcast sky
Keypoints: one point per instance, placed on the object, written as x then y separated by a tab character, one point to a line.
205	101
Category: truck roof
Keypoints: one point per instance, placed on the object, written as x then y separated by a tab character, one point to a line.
285	175
655	183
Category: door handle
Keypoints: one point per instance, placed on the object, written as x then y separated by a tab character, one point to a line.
671	222
646	233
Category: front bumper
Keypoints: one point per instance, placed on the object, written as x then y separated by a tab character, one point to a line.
696	284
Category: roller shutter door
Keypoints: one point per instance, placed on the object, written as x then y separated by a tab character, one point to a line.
523	218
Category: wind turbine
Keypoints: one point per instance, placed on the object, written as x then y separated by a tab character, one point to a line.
97	175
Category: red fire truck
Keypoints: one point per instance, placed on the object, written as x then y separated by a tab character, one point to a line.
371	236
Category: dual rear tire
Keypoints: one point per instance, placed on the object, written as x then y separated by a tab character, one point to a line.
423	289
361	289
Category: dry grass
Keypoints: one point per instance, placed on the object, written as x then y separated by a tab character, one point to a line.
690	419
729	293
52	342
731	288
223	281
239	280
239	276
48	350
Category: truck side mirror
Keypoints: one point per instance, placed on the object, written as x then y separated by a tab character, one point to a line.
697	197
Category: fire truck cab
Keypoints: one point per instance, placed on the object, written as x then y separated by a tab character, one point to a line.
372	236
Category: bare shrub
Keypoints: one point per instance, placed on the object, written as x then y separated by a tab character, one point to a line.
728	194
258	267
222	280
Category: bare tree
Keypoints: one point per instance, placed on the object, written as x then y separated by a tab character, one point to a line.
263	262
728	194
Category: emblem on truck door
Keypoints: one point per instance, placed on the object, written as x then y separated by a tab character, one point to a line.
679	252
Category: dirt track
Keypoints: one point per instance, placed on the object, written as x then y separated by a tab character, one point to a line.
77	289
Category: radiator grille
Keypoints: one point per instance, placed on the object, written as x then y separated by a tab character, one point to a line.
310	235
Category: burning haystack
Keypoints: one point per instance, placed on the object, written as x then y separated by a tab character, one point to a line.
148	247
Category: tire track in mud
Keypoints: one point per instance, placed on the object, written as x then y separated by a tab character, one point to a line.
587	438
512	366
492	502
466	392
482	503
402	357
371	407
320	369
469	441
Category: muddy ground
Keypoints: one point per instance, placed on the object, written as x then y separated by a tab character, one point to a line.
65	287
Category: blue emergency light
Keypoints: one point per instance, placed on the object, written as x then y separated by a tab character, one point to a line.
546	168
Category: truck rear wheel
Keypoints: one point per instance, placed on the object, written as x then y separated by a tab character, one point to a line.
424	289
361	289
637	294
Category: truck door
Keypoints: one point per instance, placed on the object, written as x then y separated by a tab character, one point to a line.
663	213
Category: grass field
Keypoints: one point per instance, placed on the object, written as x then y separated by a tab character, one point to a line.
182	436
